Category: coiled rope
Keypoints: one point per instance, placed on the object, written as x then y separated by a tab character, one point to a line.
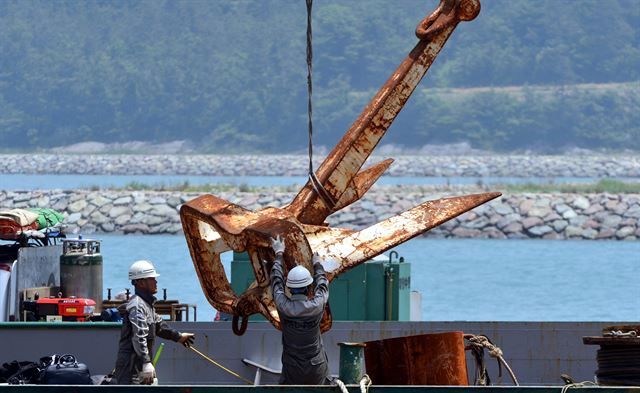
618	365
477	344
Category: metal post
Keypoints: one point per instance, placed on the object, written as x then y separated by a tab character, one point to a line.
351	362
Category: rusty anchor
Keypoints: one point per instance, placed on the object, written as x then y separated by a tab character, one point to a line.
213	225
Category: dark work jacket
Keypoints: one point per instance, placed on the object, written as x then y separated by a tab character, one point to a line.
140	326
304	360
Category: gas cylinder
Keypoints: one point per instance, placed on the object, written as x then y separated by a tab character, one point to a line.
81	270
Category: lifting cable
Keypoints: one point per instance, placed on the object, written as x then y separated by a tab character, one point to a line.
326	197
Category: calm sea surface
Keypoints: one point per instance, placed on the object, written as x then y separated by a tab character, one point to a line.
44	182
472	280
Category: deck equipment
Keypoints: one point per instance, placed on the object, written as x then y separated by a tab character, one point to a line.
213	225
67	309
81	269
619	355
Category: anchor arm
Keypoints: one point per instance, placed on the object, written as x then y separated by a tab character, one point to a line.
353	248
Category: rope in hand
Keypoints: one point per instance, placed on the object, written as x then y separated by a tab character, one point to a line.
326	197
477	343
220	365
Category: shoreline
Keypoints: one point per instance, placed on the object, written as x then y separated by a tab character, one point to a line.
592	166
513	216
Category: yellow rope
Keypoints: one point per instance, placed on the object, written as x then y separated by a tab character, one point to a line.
220	365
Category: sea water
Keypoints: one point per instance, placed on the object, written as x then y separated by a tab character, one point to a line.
459	279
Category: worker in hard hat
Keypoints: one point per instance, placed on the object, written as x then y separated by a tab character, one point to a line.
304	360
140	325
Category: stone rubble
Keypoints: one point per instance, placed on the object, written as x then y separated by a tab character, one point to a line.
296	165
519	216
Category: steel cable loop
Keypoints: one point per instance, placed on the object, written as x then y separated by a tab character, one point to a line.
326	197
477	343
322	192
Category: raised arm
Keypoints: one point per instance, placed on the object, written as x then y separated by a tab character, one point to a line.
277	275
321	294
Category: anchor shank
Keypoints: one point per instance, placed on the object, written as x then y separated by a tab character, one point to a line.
346	159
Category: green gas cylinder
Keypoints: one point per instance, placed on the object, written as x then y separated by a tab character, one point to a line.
81	270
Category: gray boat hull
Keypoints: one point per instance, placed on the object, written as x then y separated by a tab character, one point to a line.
538	352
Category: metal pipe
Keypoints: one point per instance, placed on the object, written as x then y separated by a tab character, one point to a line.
389	289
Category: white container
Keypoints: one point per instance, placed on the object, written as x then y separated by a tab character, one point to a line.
5	275
415	302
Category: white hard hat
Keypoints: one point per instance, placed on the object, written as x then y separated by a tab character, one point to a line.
299	277
142	269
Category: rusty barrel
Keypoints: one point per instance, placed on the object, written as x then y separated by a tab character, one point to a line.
426	359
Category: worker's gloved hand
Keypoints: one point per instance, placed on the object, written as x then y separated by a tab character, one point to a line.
186	339
147	374
316	259
277	245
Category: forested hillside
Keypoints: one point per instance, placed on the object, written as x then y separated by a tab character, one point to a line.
231	75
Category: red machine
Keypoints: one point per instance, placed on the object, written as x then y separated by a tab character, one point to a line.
69	308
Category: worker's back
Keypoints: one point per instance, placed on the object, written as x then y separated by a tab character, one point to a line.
304	360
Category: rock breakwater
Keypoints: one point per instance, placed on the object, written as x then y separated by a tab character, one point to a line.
296	165
547	216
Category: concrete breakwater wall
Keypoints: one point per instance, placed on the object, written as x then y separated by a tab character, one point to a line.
548	216
297	165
